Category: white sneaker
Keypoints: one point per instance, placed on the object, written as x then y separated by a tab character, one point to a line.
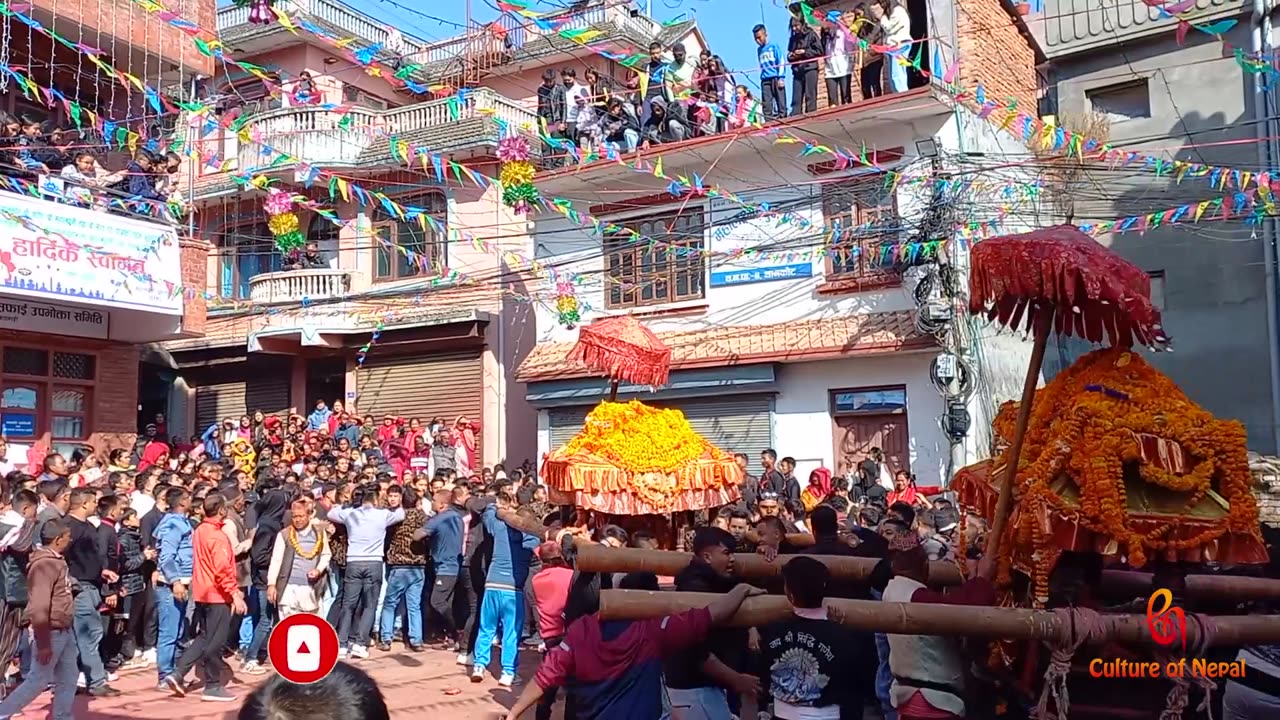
507	680
253	668
112	677
465	659
342	653
149	655
359	652
477	674
80	681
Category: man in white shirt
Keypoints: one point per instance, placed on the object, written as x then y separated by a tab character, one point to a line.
573	108
682	68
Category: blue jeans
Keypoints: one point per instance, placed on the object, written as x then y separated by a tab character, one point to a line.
403	583
60	671
506	608
263	615
630	138
704	703
87	626
898	71
171	624
248	625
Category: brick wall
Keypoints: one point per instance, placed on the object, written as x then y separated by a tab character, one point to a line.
994	51
128	23
195	278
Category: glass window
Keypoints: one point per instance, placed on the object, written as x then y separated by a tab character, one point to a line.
403	249
862	216
40	398
887	400
244	253
666	265
20	405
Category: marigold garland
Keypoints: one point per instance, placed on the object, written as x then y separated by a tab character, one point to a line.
567	310
1086	423
517	173
639	439
283	222
297	549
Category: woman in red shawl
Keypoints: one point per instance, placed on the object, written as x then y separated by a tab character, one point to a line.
905	490
397	456
390	429
819	489
155	453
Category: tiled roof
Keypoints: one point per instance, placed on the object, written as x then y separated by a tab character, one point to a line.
746	344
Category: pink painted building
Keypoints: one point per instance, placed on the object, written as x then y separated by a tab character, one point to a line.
451	328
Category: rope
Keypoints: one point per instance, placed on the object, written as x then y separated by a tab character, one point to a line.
1179	694
1083	626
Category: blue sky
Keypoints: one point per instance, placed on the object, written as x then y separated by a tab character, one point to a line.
726	24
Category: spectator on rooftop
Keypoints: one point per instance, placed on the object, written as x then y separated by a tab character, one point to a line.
657	81
895	28
838	44
619	125
773	89
683	68
551	109
665	124
803	52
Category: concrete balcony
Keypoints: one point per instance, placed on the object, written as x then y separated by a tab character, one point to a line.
321	137
299	286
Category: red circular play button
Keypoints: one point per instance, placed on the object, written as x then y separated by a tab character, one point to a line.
303	648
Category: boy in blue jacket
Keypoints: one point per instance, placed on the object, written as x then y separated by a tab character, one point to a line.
173	545
503	591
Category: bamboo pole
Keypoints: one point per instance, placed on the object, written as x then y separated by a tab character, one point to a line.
931	619
1043	326
598	558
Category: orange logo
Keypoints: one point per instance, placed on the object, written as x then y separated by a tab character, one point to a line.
1167	624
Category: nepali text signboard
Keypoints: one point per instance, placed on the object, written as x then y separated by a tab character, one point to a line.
54	319
88	257
774	240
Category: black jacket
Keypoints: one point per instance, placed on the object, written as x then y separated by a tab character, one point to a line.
615	128
132	581
807	41
684	671
551	103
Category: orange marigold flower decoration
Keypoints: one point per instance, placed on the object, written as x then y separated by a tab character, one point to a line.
1088	423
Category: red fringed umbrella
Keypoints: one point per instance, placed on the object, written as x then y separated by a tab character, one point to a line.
625	350
1059	279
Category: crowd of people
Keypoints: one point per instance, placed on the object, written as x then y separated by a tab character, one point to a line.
33	149
677	97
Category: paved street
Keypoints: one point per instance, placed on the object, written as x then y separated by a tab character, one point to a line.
416	685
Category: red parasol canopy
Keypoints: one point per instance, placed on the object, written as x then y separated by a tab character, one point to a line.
1089	290
623	349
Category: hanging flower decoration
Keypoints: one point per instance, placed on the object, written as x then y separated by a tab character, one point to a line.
516	175
283	221
260	12
567	310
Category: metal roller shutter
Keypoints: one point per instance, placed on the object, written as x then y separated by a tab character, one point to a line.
240	397
739	425
444	386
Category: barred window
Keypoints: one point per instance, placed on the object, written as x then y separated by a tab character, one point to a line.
666	264
861	215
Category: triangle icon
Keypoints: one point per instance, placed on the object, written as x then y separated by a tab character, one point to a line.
303	649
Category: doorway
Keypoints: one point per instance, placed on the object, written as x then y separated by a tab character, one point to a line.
865	418
326	380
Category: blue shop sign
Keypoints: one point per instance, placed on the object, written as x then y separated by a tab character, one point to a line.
772	273
18	424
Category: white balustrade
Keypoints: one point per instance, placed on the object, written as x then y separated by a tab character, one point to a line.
299	285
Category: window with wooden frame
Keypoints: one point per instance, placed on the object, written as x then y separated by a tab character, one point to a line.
403	249
861	216
665	265
46	391
244	252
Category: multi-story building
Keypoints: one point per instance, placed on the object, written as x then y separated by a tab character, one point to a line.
795	326
452	318
84	290
1155	89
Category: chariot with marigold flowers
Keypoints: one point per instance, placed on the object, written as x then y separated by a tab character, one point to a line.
633	464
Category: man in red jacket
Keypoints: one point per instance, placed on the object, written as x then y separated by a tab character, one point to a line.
217	596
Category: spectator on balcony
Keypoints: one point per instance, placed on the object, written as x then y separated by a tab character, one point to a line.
773	89
602	89
166	174
140	182
551	109
588	126
871	62
309	259
746	109
683	68
803	51
716	88
305	91
665	124
10	131
619	125
895	29
658	79
838	43
57	152
31	146
86	178
575	97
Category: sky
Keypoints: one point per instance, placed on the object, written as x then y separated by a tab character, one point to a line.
724	23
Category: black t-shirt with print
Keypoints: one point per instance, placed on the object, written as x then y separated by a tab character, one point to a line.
811	663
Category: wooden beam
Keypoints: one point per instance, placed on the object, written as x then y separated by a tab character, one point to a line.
949	620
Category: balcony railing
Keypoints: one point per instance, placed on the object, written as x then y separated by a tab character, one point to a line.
297	285
518	30
322	137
